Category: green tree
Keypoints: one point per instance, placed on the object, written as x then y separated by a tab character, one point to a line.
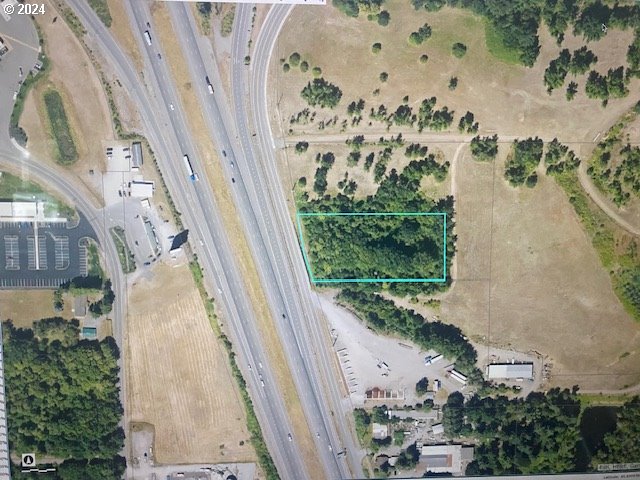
376	47
429	5
294	59
453	83
322	93
467	123
285	67
304	66
582	60
424	58
589	22
459	49
557	71
525	157
484	148
572	89
316	71
384	76
422	386
596	86
423	34
384	18
301	147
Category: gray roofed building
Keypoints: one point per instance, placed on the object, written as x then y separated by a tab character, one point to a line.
510	371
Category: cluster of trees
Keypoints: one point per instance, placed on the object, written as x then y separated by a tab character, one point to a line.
484	149
385	317
613	85
433	119
90	284
322	93
353	8
539	434
62	397
522	163
576	64
559	158
615	166
419	37
326	161
468	124
383	18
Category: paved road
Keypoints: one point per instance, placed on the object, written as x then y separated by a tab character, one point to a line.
305	302
250	196
170	138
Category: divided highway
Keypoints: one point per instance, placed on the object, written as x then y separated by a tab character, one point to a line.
170	138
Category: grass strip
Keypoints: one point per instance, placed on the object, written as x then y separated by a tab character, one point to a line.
124	252
60	129
101	7
257	440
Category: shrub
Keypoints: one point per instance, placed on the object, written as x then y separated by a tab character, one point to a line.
459	49
376	47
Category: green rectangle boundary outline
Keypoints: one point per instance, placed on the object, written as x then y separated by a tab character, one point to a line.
373	280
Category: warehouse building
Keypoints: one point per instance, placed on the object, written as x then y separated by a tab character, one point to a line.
510	371
445	458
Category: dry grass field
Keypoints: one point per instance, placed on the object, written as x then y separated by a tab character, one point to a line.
505	98
73	76
121	30
23	307
526	275
178	374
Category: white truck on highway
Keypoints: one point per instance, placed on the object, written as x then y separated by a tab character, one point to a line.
147	37
187	163
209	86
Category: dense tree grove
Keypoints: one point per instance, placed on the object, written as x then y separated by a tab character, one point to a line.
559	158
623	444
484	148
73	409
385	317
517	21
322	93
326	161
538	434
581	61
353	8
525	157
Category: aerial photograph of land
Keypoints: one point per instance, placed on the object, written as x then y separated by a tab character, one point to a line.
311	239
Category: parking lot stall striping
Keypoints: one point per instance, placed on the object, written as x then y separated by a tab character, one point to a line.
300	215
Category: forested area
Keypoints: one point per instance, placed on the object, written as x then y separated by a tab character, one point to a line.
623	444
538	434
385	317
73	409
383	246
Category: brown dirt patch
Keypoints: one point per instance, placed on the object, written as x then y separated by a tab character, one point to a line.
179	379
206	152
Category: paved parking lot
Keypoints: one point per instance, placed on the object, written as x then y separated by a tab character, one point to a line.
42	256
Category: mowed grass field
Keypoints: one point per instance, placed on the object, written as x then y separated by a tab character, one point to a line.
178	374
526	274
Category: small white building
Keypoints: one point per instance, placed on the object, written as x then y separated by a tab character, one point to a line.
380	431
510	371
438	429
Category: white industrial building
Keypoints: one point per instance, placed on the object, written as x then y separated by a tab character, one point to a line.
510	371
141	189
445	458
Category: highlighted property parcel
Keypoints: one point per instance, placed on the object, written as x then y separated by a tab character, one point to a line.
374	247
